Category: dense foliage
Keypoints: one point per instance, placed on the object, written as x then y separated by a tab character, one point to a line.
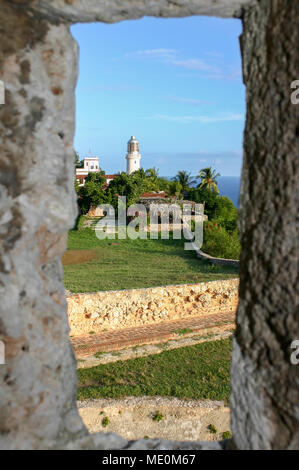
92	193
95	192
220	236
219	242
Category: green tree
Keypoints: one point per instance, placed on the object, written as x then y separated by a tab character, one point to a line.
92	193
175	189
96	177
78	163
77	187
226	213
208	179
152	173
131	186
206	197
141	173
220	243
185	179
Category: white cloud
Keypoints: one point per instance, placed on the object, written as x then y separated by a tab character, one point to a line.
216	54
191	101
118	87
163	54
195	64
213	66
229	73
221	117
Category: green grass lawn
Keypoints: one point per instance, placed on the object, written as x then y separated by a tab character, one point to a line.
125	264
194	372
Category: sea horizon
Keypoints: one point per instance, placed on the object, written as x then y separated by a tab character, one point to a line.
229	186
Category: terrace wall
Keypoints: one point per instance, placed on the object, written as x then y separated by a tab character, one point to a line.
110	310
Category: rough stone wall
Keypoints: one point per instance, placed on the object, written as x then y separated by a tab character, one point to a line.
38	66
95	211
265	385
98	10
112	310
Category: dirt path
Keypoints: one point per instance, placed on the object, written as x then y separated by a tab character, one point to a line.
132	418
77	256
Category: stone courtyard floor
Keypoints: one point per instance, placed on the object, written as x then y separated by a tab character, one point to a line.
114	345
133	418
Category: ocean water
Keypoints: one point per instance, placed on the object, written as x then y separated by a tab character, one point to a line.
228	186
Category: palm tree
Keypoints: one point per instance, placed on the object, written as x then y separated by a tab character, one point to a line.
184	179
208	179
141	173
152	173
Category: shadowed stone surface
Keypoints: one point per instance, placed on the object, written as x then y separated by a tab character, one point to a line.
98	10
38	63
37	393
265	385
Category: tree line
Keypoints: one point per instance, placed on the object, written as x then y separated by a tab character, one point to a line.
182	186
221	236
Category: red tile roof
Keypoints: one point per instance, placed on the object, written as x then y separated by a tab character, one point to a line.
153	195
81	176
110	177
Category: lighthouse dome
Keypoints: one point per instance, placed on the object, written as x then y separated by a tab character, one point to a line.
133	145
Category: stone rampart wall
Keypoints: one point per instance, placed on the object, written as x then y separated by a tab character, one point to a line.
110	310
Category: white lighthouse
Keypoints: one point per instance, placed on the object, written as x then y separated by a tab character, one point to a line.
133	156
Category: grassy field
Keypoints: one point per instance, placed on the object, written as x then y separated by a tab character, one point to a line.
91	265
194	372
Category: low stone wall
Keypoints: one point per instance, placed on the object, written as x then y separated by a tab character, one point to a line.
211	259
110	310
95	211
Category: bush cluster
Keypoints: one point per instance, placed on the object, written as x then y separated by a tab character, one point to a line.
218	242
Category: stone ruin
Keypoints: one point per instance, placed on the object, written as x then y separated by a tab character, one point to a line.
38	65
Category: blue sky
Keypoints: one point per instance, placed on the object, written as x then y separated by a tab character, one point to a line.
173	83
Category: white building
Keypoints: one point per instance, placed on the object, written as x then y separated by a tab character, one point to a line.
133	156
90	165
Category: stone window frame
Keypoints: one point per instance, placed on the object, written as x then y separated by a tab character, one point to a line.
38	65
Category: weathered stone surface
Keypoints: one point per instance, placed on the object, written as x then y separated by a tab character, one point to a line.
38	382
98	10
132	418
265	385
112	310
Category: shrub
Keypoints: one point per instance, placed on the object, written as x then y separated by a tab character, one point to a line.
212	429
158	416
226	213
226	435
98	354
105	422
183	331
220	243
